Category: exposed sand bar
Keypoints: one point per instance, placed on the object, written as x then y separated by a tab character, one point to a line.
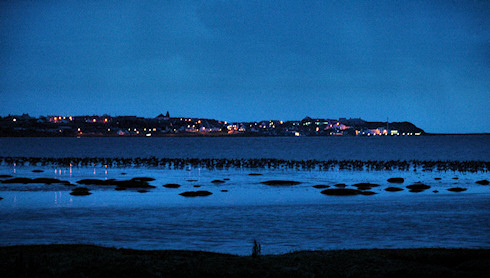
94	261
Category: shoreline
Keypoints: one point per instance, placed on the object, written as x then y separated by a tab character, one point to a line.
234	135
249	163
97	261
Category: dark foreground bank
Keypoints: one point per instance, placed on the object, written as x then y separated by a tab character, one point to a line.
94	261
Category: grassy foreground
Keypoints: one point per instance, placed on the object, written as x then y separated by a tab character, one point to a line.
94	261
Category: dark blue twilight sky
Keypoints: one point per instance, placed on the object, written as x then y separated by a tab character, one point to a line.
422	61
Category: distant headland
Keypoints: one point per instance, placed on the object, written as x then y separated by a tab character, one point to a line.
165	125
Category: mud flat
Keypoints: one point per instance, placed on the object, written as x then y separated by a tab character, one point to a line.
94	261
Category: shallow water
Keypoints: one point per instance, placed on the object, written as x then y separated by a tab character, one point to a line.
282	219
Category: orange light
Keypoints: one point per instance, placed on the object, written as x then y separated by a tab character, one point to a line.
105	120
59	118
94	120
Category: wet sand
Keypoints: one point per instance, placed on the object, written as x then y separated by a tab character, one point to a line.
94	261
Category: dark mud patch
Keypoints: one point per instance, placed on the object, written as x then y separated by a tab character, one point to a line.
200	193
280	182
457	189
341	192
396	180
365	185
217	181
18	180
393	189
171	185
80	191
418	186
132	183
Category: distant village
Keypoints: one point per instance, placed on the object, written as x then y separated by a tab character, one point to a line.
165	125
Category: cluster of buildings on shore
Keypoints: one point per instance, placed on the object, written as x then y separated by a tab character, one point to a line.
164	125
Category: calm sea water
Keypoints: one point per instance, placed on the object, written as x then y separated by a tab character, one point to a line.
455	147
282	219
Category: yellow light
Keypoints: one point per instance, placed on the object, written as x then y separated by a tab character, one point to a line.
154	129
105	120
71	118
94	120
59	118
